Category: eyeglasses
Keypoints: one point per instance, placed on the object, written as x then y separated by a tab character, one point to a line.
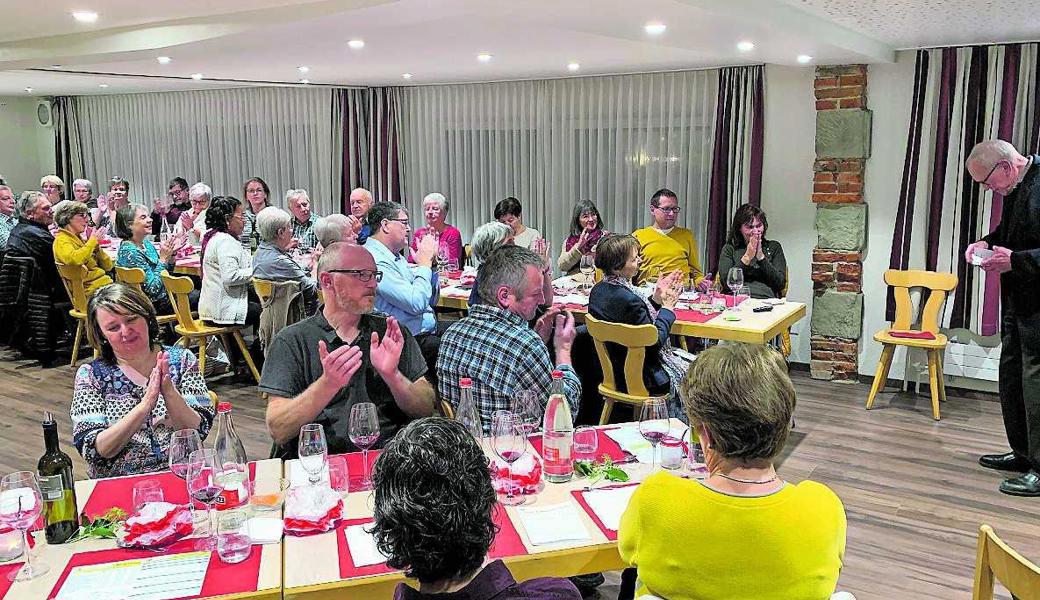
990	174
404	222
363	275
670	209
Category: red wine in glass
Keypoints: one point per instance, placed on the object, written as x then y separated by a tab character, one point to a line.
207	495
511	456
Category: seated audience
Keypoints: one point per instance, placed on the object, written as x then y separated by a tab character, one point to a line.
272	260
7	217
227	296
334	228
586	231
405	293
318	368
360	202
193	222
128	402
171	208
433	504
665	246
762	260
133	225
53	187
257	198
303	219
70	249
83	191
118	197
31	237
449	240
508	211
486	239
495	346
617	300
757	536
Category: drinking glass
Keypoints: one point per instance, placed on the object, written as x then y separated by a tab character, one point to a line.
509	443
588	268
182	443
364	432
653	425
735	280
529	410
205	486
233	543
313	451
586	441
453	266
146	491
442	261
20	505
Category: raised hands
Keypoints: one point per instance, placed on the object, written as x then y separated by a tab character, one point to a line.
545	323
385	354
340	365
668	288
426	249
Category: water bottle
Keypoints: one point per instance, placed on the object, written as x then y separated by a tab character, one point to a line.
164	230
467	413
231	456
557	434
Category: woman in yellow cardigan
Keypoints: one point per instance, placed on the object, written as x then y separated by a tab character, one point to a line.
70	249
745	532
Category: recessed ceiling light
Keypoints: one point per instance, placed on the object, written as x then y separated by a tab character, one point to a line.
28	90
305	81
654	28
196	76
745	46
804	58
573	66
163	60
102	85
484	57
303	69
55	66
406	75
84	16
356	44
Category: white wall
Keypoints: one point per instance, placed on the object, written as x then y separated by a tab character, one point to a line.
26	149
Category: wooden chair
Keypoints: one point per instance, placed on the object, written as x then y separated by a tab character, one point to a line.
264	289
636	339
134	277
468	252
447	410
938	284
194	329
72	278
996	560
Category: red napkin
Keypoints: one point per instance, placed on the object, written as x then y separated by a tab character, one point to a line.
312	509
454	274
912	335
507	542
604	445
730	300
526	472
693	316
580	497
221	578
158	523
5	583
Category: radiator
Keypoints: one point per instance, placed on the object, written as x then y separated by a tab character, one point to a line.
972	360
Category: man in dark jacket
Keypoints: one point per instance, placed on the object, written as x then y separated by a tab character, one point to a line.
32	238
1015	244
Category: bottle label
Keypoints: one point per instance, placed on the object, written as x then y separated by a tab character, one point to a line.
50	487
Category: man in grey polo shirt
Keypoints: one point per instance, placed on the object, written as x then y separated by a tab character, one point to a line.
317	369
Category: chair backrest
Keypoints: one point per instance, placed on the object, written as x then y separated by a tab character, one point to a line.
131	276
72	277
264	289
178	289
938	284
635	338
447	410
996	560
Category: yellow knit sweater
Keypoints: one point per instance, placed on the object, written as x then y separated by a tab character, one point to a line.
663	254
690	542
71	250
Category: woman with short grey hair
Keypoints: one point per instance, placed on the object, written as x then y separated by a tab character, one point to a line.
486	239
82	190
52	186
193	222
69	248
272	260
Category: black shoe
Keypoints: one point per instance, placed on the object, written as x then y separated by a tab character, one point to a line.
587	584
1005	462
1023	485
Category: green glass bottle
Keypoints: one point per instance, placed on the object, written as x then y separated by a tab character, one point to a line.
56	487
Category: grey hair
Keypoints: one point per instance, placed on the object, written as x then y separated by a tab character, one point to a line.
329	230
123	226
290	194
487	237
270	221
366	193
506	266
52	179
3	186
439	199
27	202
84	182
200	189
989	152
66	209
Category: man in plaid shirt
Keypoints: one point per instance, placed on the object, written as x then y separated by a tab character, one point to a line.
495	347
303	220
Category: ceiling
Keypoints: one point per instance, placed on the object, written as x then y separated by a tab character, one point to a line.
262	42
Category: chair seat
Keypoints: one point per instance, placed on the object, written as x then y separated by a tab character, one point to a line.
884	337
76	314
207	330
623	397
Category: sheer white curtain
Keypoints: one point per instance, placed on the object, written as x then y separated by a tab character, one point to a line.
287	136
613	140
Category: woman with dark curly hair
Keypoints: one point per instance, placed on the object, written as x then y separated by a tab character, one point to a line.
433	503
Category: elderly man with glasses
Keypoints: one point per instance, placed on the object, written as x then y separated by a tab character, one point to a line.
666	247
1015	247
317	369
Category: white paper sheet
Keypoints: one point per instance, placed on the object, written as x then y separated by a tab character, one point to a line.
363	551
633	442
265	530
608	504
553	524
454	291
572	299
299	477
158	578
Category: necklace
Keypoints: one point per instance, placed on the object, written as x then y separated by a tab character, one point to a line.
749	481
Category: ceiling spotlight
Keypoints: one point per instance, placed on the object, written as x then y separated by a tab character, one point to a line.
654	28
573	66
84	16
55	66
196	76
303	69
163	60
305	81
804	58
102	85
484	57
406	75
28	90
745	46
356	44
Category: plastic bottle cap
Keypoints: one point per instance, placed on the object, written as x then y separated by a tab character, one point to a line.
557	374
223	406
466	382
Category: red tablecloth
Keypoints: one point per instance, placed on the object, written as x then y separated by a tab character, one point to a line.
118	492
693	316
579	495
604	445
5	583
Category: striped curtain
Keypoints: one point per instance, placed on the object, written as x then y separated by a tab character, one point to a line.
961	96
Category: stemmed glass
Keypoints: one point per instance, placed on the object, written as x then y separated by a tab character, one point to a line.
509	443
654	425
20	505
529	411
204	485
735	281
364	432
442	260
182	443
587	267
313	451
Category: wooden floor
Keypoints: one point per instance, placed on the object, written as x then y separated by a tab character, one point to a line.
912	489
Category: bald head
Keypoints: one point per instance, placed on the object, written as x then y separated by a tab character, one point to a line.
989	152
344	255
997	165
333	228
360	202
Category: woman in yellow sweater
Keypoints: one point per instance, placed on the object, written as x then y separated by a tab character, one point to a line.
746	533
70	249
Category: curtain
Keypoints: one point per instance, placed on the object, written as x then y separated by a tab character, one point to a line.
68	155
223	137
384	125
736	175
613	140
961	96
352	116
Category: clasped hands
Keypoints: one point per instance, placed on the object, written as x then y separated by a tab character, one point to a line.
340	365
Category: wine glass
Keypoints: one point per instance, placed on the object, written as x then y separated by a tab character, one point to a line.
587	267
509	443
20	505
313	451
182	443
442	260
527	408
653	425
205	486
735	281
364	432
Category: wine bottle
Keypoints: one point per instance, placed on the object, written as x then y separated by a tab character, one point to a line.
56	487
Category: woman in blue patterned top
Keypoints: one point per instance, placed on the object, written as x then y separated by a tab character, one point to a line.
128	402
133	225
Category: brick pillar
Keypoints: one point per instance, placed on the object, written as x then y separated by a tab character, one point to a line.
842	147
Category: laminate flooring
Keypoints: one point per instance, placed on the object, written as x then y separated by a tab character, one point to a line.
912	489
